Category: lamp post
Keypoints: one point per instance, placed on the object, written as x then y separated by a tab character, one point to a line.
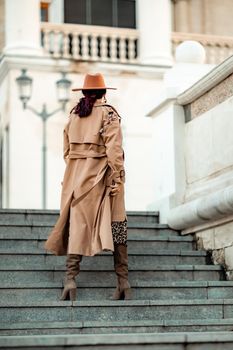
25	91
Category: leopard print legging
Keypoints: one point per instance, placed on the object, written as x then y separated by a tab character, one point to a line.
119	232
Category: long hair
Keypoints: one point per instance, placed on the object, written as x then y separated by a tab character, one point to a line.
85	104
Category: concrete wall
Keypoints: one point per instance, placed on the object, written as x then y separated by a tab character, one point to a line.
206	208
209	151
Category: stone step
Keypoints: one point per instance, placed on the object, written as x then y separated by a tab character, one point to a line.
92	291
146	259
41	272
136	243
108	327
51	311
139	341
38	217
44	229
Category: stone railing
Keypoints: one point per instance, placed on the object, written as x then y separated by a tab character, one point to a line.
92	43
217	47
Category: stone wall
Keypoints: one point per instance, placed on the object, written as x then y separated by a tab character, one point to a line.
206	209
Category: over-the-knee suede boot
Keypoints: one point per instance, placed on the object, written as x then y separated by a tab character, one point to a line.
123	289
72	270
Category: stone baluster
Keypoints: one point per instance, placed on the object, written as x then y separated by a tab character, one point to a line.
66	53
221	52
113	48
56	43
211	54
131	49
104	47
47	35
122	49
85	46
94	47
75	46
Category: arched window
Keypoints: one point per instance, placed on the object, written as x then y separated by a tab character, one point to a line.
111	13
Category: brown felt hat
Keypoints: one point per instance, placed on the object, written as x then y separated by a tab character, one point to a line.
93	82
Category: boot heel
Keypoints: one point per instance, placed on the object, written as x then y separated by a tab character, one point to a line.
64	294
72	294
128	294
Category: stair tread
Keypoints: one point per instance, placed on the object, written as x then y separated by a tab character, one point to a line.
56	211
163	252
117	339
115	303
45	224
131	237
134	284
108	323
48	267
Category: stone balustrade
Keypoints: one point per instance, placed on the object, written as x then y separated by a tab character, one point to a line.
92	43
120	45
217	47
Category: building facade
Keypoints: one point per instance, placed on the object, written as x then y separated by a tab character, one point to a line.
130	42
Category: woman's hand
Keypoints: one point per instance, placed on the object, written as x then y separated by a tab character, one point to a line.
115	189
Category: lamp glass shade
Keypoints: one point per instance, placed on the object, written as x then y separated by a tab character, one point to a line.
25	86
63	89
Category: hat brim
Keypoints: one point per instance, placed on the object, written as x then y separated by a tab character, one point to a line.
94	88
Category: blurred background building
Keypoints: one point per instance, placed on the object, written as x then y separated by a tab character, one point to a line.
132	43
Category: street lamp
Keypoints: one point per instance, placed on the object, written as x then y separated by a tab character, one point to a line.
25	91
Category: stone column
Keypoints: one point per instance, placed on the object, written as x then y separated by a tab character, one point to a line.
154	24
22	27
182	19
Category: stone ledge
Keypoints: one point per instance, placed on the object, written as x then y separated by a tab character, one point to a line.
210	80
117	339
202	210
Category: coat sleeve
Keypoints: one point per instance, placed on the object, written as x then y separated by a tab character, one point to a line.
66	145
112	136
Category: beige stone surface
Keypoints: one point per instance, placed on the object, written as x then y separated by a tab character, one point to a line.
212	98
229	257
208	145
223	235
206	239
198	148
218	257
229	275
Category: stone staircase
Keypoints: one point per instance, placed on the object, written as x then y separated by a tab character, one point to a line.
179	297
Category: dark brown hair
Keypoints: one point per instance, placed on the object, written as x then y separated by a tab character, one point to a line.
85	104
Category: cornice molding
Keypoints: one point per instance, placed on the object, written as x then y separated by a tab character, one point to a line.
46	63
210	80
203	210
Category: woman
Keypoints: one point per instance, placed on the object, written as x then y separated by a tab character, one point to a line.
92	210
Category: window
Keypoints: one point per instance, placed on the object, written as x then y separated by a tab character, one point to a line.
44	11
111	13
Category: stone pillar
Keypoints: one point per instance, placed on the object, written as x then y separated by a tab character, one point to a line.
22	27
154	24
182	16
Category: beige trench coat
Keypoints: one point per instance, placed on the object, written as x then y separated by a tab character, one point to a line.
92	150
